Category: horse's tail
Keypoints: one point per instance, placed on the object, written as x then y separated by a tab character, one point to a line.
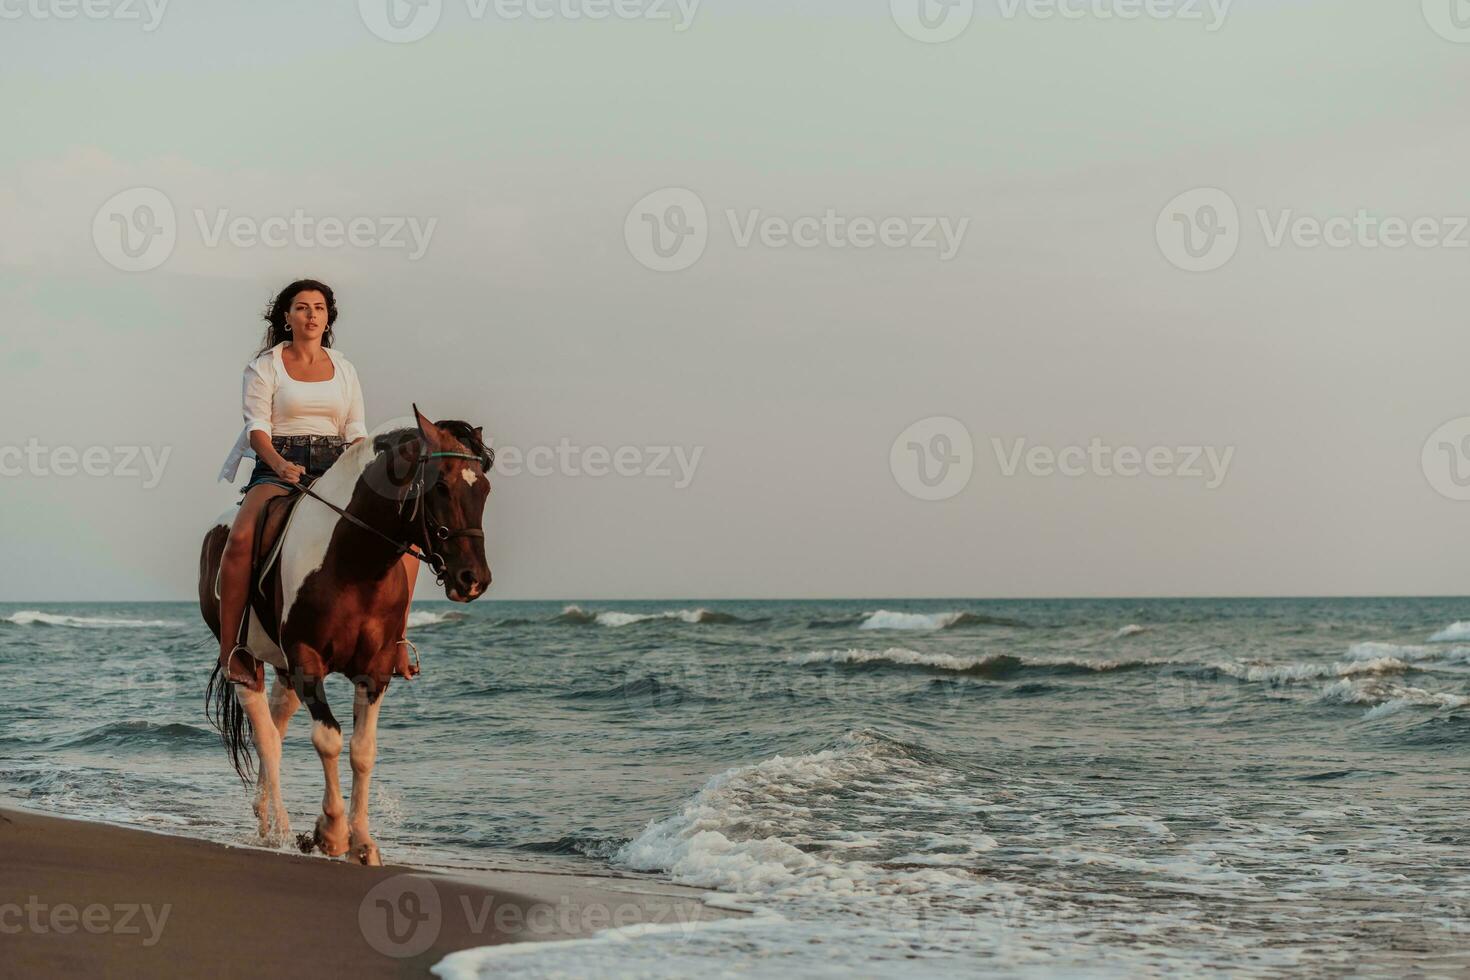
227	715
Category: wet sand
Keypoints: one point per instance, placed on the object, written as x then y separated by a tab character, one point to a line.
79	898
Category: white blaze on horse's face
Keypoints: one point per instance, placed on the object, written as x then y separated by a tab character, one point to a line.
467	575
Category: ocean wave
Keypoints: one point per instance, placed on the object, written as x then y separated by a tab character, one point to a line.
1386	698
1457	632
421	618
586	846
35	617
141	734
576	615
986	665
1286	673
885	619
1417	654
751	831
1130	630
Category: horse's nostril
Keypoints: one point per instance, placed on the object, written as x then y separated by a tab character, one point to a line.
466	579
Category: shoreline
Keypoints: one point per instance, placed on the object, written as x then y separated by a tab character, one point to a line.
78	897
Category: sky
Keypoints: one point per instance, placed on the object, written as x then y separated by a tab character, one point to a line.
870	298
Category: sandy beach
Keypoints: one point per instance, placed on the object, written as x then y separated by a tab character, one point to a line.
80	898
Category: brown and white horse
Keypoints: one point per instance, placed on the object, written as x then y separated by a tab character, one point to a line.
336	601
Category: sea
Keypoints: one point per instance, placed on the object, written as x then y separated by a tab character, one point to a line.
1047	788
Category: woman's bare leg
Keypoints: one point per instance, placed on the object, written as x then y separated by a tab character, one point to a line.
234	584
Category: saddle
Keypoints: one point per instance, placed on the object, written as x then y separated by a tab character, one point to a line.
270	534
265	555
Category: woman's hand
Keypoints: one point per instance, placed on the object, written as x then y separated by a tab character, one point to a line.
289	471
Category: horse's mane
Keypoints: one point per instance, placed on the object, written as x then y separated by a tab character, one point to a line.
463	431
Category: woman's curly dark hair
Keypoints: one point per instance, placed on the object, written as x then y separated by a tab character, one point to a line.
275	314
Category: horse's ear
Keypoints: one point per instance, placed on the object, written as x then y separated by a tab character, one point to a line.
426	428
488	459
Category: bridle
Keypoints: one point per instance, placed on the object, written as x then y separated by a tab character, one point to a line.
441	534
431	537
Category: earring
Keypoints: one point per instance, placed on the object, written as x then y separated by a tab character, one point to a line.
288	328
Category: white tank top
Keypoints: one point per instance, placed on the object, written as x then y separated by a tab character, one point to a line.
308	408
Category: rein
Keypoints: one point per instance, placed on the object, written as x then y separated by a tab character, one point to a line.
425	551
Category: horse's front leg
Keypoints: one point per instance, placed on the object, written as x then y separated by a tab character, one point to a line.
364	752
326	737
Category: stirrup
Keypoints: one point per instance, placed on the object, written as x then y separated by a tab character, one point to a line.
418	668
225	669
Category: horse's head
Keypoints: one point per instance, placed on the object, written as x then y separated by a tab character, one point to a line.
444	475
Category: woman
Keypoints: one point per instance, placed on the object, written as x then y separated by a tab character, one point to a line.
303	409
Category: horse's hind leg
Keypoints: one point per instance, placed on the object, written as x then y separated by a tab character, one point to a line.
364	752
284	703
274	825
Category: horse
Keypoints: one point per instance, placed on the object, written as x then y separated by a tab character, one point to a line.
335	601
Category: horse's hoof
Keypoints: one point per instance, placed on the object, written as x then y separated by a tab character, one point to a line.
367	855
306	842
333	840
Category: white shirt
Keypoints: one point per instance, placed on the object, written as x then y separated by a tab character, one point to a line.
278	405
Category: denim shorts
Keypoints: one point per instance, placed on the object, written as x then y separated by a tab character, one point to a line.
315	454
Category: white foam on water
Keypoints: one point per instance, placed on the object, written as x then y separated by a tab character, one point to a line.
1285	673
424	618
615	619
885	620
669	946
35	617
822	845
1386	698
1457	632
898	655
1133	629
1373	650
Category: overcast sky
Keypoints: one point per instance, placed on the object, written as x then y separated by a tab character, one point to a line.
990	244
